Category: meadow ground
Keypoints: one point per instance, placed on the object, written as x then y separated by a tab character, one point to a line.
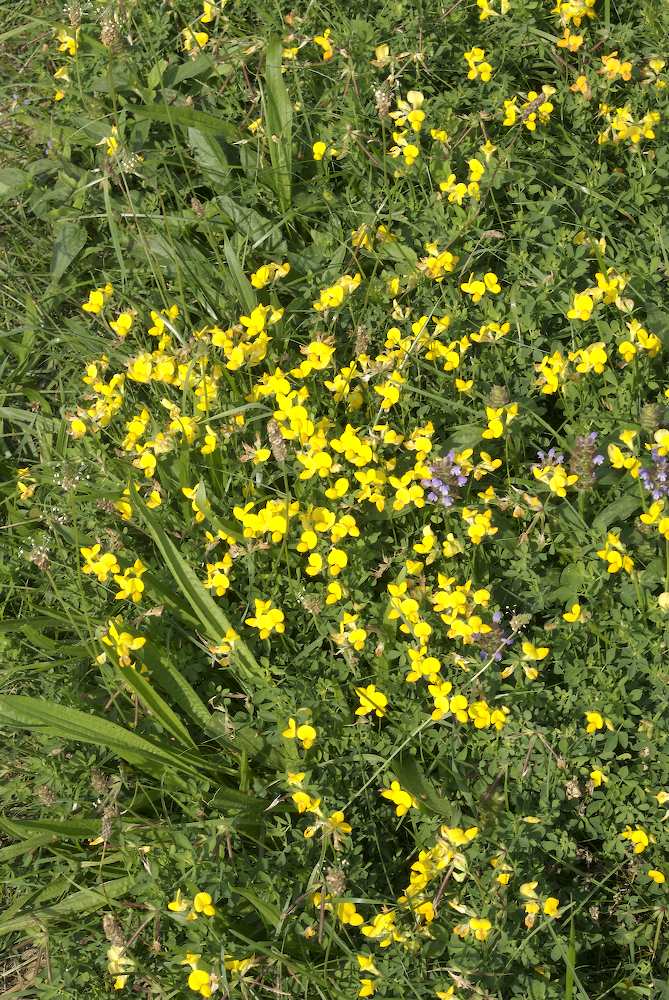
335	477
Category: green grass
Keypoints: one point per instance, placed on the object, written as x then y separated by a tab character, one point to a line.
127	786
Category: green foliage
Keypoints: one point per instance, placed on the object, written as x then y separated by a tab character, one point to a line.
154	746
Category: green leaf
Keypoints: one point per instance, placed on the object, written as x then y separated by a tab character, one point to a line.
71	724
188	118
172	681
618	511
13	182
158	707
113	228
250	224
209	155
82	901
70	241
66	829
24	846
192	68
270	914
279	124
213	619
411	777
241	286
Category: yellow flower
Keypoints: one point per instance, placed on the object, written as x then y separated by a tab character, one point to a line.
122	324
581	307
178	904
305	803
371	701
193	39
598	778
131	585
337	561
318	149
614	555
305	733
570	41
208	12
478	288
324	43
266	619
68	43
596	721
202	903
97	299
581	86
656	876
480	927
200	982
381	56
401	799
637	837
478	67
551	907
366	964
532	652
574	613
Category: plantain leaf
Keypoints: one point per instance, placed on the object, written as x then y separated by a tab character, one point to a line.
71	724
269	913
213	619
82	901
210	157
186	117
67	829
279	124
158	707
172	681
619	510
241	286
411	777
24	846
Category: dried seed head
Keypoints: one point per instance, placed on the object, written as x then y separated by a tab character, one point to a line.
361	341
651	417
73	11
311	603
99	782
584	460
276	442
498	396
106	825
45	795
39	555
335	881
518	622
573	789
127	161
382	101
109	33
112	930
